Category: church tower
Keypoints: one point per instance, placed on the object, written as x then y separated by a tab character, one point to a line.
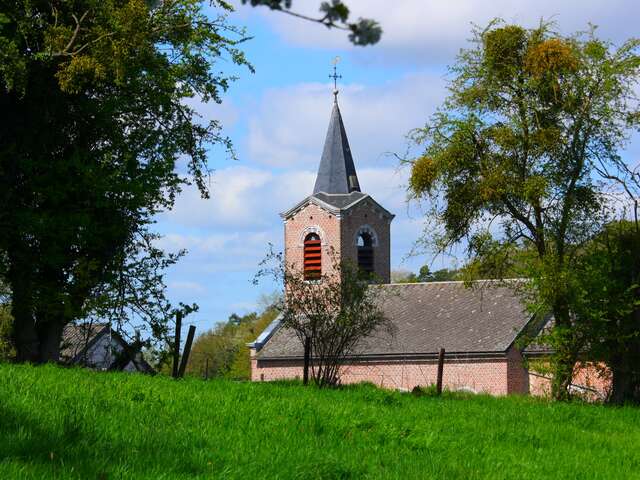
338	221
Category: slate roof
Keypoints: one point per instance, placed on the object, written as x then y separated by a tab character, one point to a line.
78	338
536	346
485	319
337	172
75	338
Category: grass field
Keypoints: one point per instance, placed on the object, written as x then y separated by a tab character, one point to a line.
72	423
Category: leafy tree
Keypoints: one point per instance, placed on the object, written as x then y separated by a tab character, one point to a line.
426	275
441	275
6	325
240	367
95	116
329	315
223	351
533	120
6	321
95	108
403	276
606	290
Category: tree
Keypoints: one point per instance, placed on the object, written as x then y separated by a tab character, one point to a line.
426	275
96	114
532	122
223	351
606	291
329	315
95	117
6	325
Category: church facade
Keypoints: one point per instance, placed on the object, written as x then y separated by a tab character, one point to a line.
479	328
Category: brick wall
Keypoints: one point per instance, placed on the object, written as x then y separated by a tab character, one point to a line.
365	214
339	235
480	376
591	381
517	375
311	219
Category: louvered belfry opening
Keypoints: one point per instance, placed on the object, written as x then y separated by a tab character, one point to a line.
312	257
365	253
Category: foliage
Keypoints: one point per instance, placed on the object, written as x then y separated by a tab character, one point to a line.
6	324
107	89
426	275
527	144
330	314
133	297
73	423
335	14
605	289
7	351
224	349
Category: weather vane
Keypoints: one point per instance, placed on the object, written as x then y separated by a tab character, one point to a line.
335	77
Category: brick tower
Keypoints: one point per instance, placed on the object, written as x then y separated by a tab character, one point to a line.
338	218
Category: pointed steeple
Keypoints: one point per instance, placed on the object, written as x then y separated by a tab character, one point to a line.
337	173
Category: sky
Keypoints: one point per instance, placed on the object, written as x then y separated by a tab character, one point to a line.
277	119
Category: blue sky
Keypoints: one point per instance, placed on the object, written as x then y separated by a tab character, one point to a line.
277	119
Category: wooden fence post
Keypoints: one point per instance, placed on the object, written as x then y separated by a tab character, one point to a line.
187	350
307	355
176	345
440	371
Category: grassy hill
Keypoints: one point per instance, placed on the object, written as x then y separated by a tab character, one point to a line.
72	423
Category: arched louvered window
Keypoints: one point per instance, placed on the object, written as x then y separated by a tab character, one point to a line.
365	252
312	257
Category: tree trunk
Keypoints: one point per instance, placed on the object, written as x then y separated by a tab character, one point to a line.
307	355
25	338
50	338
563	374
566	352
625	381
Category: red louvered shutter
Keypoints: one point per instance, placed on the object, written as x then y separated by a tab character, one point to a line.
312	257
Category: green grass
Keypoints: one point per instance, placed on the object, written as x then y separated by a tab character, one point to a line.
72	423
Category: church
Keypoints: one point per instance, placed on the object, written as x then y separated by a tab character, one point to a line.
479	328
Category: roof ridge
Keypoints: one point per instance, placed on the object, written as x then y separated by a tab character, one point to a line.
440	282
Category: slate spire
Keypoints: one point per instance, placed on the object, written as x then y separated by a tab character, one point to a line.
337	173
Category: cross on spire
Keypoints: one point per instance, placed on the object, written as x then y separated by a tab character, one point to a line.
335	77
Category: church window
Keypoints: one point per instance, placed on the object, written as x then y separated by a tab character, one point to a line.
312	257
365	252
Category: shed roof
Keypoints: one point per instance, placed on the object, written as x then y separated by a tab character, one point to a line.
77	337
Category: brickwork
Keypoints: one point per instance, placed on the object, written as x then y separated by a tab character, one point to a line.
311	219
366	215
517	375
499	376
591	381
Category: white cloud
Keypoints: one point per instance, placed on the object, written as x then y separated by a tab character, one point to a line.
289	126
234	199
226	112
245	201
432	31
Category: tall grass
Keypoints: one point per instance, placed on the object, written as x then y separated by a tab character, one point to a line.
72	423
